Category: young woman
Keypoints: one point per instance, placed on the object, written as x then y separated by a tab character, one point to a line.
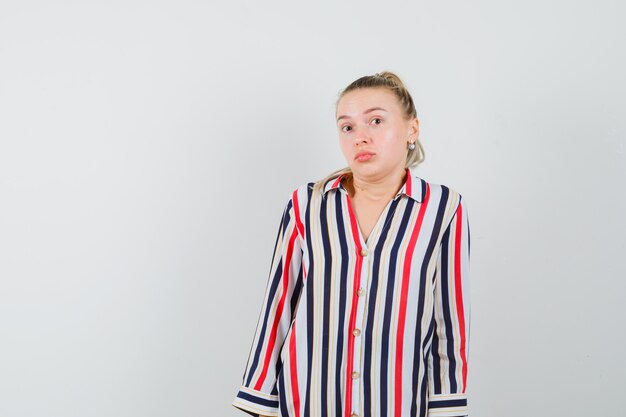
366	310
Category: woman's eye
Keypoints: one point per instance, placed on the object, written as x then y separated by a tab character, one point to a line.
346	128
377	120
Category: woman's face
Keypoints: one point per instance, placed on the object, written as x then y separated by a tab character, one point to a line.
373	132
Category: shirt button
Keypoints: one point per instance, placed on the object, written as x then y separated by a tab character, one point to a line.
363	252
355	375
356	332
361	292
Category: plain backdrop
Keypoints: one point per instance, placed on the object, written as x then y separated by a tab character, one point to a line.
147	149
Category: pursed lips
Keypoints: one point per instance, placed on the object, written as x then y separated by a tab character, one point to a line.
364	155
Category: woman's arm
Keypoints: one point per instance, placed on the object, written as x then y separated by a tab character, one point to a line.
450	344
258	392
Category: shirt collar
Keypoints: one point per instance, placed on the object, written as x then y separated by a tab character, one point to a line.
412	186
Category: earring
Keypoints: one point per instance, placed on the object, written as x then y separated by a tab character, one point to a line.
411	146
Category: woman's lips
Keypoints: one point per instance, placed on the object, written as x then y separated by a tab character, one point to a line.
363	156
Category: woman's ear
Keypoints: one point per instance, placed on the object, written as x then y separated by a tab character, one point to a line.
414	129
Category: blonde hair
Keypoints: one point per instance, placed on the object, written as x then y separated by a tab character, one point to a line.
393	83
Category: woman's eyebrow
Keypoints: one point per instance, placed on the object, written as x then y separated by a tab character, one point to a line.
365	112
373	109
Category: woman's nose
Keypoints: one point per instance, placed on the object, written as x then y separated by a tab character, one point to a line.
361	137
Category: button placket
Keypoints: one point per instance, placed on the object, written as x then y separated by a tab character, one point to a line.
356	331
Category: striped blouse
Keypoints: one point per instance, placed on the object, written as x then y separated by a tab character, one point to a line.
352	327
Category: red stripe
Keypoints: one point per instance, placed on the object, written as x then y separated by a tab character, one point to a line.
296	211
406	275
279	311
409	183
299	224
459	290
294	371
351	321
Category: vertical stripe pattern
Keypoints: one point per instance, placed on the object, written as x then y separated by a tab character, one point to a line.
351	327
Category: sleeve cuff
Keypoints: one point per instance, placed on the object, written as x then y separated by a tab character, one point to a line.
447	405
256	402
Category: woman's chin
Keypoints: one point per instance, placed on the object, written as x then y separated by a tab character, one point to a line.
366	170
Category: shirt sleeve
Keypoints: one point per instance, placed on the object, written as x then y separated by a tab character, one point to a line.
451	321
258	393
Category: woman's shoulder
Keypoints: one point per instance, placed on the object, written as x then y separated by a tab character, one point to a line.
302	193
442	188
306	195
443	195
299	196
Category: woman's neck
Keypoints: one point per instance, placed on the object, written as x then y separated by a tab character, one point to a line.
376	190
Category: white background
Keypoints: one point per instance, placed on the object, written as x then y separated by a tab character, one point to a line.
147	150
